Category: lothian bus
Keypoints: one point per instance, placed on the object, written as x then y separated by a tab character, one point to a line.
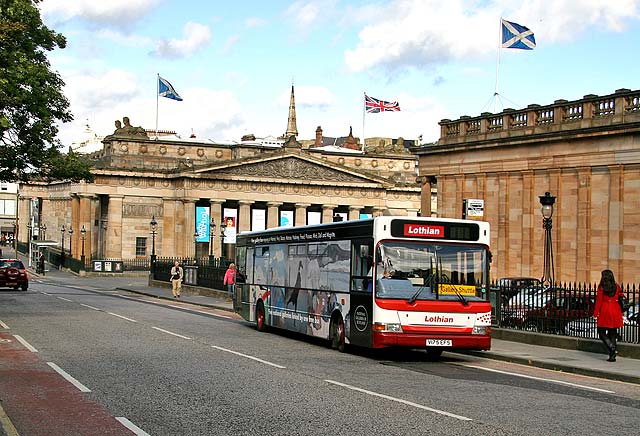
388	281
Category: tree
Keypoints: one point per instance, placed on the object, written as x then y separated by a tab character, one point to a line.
31	99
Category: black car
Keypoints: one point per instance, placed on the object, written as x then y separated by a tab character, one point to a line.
13	274
510	286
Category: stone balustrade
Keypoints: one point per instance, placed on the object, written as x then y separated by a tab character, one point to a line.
592	111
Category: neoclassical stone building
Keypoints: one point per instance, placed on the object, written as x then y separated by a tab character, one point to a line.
584	152
253	185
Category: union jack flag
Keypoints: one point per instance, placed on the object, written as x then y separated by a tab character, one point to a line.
374	106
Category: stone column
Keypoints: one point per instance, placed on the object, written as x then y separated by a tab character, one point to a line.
354	212
189	226
301	214
327	212
88	212
273	214
378	211
166	240
114	231
244	219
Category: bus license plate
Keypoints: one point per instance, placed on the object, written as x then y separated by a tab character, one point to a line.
439	343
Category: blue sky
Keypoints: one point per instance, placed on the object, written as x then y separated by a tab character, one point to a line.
234	62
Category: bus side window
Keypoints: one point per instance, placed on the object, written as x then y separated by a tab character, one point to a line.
361	266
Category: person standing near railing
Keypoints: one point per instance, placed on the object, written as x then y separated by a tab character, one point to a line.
608	313
177	274
230	280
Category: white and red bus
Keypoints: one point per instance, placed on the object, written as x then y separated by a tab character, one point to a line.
382	282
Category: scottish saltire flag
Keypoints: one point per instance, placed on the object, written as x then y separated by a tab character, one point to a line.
374	106
517	36
165	89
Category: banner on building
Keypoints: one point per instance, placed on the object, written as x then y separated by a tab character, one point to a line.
258	219
314	217
202	224
286	218
231	220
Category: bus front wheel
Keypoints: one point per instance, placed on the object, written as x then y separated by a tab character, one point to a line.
337	334
260	325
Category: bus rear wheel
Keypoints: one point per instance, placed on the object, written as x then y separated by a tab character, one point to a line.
260	324
337	334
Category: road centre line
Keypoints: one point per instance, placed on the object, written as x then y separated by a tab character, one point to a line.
91	307
131	426
27	345
4	326
68	378
121	316
515	374
171	333
400	400
249	357
65	299
177	307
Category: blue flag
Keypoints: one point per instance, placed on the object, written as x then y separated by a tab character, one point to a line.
165	89
517	36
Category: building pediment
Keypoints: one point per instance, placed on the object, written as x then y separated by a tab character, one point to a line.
290	168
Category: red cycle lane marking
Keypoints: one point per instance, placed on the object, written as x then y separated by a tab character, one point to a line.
40	402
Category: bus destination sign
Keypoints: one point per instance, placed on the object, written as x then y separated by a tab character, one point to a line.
423	230
468	231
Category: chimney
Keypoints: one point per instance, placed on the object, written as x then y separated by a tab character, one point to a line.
318	142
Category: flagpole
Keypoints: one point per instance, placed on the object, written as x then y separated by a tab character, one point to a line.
496	94
364	110
157	99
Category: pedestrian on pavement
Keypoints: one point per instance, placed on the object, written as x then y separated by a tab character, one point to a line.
176	279
230	280
608	313
41	263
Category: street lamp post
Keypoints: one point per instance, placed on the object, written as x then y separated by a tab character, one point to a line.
43	230
104	240
29	229
15	238
70	234
83	234
212	229
223	228
153	224
195	246
548	275
62	231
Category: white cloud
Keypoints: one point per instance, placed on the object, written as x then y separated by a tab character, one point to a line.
229	43
254	22
196	36
112	12
426	33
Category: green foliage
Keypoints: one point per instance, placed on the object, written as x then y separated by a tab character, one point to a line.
31	99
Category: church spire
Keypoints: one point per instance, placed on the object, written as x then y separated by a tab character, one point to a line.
292	129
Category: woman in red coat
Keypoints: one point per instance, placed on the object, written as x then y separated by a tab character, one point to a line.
608	313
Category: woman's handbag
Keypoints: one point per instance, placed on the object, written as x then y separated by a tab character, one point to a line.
624	303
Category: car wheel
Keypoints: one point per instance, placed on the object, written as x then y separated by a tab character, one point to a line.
532	326
25	286
260	321
337	334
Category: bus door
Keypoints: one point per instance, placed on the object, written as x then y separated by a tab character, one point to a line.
361	307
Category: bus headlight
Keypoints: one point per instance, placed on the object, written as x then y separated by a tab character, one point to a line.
481	330
379	327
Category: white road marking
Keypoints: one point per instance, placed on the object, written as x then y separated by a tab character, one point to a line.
171	333
515	374
68	378
400	400
123	317
27	345
4	326
249	357
91	307
131	426
65	299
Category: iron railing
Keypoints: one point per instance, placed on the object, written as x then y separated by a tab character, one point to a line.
209	272
563	309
